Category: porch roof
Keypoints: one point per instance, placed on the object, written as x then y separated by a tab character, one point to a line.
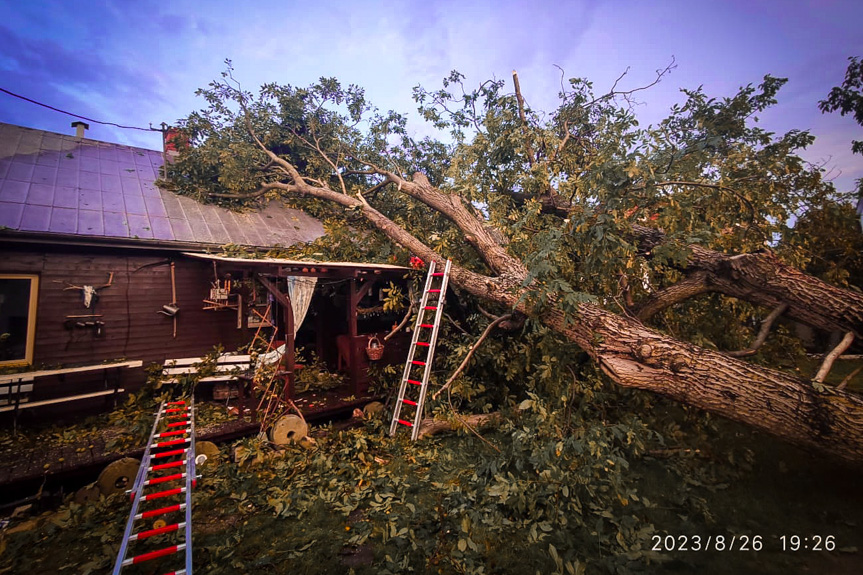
284	266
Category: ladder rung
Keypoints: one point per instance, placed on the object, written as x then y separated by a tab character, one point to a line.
160	511
178	423
175	410
167	465
415	382
154	554
166	493
180	572
170	443
423	343
169	453
430	307
408	423
172	433
428	325
434	291
415	362
157	531
164	479
176	403
409	402
438	274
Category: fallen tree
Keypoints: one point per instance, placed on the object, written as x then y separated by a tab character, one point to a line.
289	143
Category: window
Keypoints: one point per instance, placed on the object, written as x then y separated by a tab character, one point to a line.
18	296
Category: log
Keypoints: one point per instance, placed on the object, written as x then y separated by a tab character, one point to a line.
431	426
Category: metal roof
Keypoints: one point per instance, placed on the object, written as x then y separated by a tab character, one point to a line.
59	184
264	262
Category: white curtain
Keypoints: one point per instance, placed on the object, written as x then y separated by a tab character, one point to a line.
300	290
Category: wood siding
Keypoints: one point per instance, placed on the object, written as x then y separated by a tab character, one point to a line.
134	328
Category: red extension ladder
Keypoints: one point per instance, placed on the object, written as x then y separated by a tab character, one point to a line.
429	331
167	450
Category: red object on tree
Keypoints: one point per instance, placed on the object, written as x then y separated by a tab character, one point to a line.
417	263
175	140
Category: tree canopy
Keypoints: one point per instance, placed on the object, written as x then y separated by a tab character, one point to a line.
579	219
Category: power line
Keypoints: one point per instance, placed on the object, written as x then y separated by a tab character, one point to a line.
150	129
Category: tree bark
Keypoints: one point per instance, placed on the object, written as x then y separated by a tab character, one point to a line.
761	278
433	426
788	407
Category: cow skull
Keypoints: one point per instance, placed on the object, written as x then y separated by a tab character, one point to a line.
91	293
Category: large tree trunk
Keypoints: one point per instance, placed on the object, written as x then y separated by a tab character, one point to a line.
635	356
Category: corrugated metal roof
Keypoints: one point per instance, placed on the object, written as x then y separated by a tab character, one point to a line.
58	184
286	262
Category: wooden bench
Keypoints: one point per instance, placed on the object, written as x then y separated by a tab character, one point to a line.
16	388
229	368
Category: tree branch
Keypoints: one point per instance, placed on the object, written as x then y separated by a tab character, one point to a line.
257	193
719	187
404	321
692	285
470	352
524	127
762	334
849	377
761	278
831	357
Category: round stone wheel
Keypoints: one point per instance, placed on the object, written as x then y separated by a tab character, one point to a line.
288	429
208	448
118	476
87	494
373	409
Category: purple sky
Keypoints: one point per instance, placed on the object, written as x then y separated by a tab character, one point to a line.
140	62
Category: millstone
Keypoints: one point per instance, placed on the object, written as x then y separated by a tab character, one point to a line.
88	494
288	429
118	476
374	408
208	448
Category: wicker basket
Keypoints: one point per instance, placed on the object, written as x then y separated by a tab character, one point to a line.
375	349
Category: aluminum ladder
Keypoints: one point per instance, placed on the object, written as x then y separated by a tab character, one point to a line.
175	446
430	332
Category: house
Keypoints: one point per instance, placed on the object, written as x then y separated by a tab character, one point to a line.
99	264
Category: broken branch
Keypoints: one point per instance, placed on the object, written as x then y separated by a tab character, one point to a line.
473	348
432	427
521	114
404	321
849	377
831	357
762	334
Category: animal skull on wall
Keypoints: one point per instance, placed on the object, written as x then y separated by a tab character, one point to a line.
91	293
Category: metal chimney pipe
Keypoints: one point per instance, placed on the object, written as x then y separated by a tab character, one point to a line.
79	128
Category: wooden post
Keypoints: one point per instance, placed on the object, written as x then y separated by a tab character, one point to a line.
353	302
319	335
289	358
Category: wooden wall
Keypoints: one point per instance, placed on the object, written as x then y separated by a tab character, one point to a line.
133	327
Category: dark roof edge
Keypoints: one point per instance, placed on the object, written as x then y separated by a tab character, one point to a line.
47	238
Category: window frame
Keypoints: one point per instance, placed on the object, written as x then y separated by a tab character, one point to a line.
31	319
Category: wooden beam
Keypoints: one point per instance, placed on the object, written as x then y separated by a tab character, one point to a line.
274	289
353	360
365	288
